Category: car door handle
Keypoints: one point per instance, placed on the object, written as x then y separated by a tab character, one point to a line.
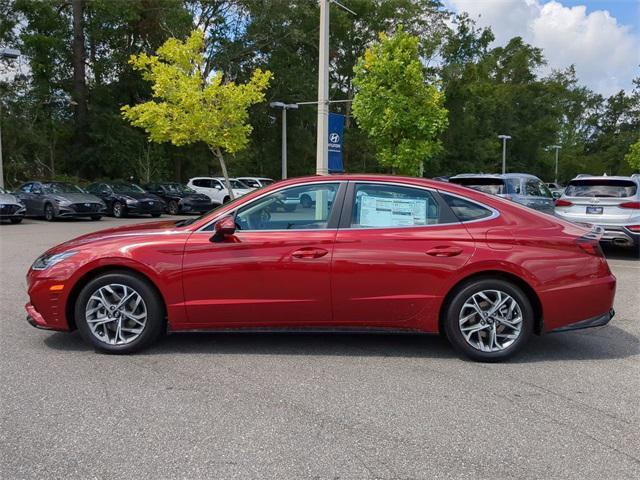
309	252
444	251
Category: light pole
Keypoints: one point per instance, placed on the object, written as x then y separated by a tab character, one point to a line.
504	139
284	107
10	54
556	148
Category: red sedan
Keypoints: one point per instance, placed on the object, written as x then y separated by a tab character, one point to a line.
362	252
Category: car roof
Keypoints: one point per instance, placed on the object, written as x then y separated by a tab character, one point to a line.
493	175
632	178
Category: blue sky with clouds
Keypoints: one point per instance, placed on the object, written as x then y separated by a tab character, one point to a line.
600	37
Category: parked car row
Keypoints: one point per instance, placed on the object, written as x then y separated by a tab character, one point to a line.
52	200
612	203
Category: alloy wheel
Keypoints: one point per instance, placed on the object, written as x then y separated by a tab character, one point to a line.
490	320
116	314
117	210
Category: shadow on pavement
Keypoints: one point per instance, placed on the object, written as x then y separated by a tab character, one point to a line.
599	344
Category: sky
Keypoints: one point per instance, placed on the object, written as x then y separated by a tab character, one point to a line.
600	37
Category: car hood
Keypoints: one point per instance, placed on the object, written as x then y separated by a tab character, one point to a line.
7	199
196	196
152	228
141	196
76	197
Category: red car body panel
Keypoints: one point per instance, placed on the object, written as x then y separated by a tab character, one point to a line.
352	278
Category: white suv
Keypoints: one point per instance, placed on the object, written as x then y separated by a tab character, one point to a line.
216	189
256	182
611	202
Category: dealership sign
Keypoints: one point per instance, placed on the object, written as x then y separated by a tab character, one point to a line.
336	131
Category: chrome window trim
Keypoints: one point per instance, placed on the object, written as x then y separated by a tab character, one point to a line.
264	194
494	212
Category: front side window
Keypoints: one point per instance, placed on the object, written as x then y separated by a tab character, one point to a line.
26	188
307	207
203	182
389	206
125	188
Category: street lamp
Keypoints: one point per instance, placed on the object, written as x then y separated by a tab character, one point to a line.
10	54
284	107
504	139
556	148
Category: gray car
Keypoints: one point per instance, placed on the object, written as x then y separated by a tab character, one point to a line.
53	200
522	188
11	208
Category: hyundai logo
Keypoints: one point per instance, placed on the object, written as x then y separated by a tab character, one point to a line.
87	204
334	138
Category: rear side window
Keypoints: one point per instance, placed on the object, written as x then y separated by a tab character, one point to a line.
465	210
389	206
601	187
202	182
494	186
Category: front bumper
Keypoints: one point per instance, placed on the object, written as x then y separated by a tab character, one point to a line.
36	320
143	208
12	211
597	321
198	207
67	211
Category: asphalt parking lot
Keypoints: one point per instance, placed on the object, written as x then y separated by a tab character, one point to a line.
312	406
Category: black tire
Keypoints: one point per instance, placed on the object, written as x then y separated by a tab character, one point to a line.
15	220
96	217
118	210
49	212
155	215
155	323
173	208
226	199
454	309
306	201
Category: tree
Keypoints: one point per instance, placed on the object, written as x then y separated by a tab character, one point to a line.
633	157
189	107
402	113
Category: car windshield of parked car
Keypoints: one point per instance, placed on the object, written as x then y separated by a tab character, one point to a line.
237	184
601	188
494	186
178	188
266	181
61	187
251	182
126	188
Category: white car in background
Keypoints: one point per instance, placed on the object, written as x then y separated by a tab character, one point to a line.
610	202
216	189
256	182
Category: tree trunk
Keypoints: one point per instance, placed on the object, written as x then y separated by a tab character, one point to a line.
79	88
218	153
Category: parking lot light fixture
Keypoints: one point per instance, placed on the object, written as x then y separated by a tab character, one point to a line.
556	148
10	54
284	107
504	139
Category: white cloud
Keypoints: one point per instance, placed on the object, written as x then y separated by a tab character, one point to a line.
605	53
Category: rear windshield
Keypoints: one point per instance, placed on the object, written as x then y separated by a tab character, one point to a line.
601	188
495	186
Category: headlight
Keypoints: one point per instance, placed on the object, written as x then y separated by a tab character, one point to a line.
61	201
131	201
45	261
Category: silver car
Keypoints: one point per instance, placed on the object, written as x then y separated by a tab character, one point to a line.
522	188
610	202
11	207
52	200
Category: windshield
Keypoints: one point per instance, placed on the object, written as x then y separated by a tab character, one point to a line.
61	187
601	188
126	188
494	186
266	181
251	182
178	188
237	184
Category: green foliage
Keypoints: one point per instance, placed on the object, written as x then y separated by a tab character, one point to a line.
402	113
633	157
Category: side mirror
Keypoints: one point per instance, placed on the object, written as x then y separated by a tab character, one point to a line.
104	192
224	227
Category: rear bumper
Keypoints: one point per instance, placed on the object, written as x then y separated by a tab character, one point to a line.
597	321
621	236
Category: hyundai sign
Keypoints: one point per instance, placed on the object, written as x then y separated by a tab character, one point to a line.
336	131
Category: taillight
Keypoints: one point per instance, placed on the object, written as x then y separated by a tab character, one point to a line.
633	205
634	228
563	203
590	246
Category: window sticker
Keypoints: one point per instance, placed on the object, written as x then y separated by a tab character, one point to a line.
392	212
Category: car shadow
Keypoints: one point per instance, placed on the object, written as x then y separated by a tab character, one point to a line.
607	343
618	253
